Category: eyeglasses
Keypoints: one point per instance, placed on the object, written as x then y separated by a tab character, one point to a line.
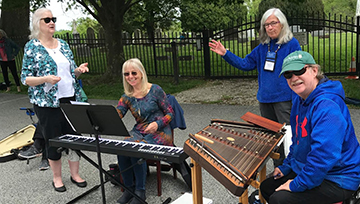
128	73
48	19
272	24
288	75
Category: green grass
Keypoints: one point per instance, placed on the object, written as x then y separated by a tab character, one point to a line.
114	90
333	54
351	88
95	89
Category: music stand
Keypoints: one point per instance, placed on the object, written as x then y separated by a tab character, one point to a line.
96	120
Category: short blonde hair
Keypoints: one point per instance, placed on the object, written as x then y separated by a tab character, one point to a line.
35	22
136	64
285	34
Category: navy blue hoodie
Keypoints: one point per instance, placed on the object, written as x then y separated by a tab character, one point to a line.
324	145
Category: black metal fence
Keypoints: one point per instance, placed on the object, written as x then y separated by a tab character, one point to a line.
332	40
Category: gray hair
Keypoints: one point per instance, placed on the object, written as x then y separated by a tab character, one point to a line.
285	33
35	22
320	73
136	64
2	34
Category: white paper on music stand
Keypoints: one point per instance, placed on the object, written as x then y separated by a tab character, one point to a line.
72	126
79	103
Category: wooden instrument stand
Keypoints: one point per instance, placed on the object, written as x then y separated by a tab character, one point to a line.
196	178
248	147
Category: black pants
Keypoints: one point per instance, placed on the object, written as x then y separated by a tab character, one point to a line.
53	124
12	67
278	112
327	193
39	141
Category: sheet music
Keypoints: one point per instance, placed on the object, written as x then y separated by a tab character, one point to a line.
47	87
79	103
72	126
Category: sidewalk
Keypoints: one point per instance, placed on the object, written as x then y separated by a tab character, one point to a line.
23	183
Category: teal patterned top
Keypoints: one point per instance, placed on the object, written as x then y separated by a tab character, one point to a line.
37	62
153	107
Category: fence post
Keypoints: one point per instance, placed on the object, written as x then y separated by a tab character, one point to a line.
68	38
154	50
206	47
175	62
358	45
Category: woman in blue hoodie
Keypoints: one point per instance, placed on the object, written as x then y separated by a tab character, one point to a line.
323	165
276	42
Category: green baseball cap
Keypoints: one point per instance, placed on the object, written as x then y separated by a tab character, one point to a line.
296	61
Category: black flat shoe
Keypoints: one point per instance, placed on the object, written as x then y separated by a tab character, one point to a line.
59	189
79	184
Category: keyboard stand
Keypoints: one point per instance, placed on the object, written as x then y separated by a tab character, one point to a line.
101	184
96	120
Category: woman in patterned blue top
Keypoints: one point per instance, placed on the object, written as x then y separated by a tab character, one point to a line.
152	112
50	72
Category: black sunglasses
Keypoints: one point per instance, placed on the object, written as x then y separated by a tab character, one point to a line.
48	19
288	75
128	73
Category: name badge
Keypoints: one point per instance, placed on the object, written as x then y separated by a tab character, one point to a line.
270	61
269	66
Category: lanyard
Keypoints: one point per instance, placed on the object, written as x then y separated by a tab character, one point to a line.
275	50
271	59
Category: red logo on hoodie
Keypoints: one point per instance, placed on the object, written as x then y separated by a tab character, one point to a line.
302	125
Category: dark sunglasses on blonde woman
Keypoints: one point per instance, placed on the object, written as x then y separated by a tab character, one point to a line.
48	19
128	73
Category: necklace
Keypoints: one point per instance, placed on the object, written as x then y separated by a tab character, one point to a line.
54	46
50	46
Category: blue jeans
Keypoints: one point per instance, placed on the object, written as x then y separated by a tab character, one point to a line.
137	172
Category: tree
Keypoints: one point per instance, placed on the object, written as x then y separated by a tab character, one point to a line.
110	14
293	8
252	6
159	14
211	14
15	19
149	15
134	18
340	7
84	23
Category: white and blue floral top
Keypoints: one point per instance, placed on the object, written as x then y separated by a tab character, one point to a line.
37	62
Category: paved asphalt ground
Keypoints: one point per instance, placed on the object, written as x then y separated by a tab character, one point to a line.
23	183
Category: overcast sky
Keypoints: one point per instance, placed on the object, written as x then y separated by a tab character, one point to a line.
63	18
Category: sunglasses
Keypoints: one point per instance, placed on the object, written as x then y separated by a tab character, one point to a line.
128	73
48	19
288	75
